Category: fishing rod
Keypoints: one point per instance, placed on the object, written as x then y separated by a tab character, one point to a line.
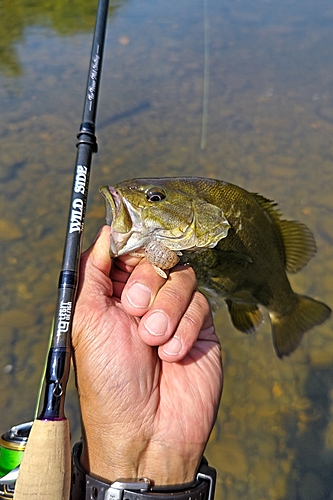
45	470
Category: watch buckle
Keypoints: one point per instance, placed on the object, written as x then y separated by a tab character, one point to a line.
116	490
206	477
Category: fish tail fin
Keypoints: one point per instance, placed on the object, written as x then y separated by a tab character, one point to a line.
289	329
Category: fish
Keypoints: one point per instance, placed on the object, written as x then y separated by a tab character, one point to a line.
236	241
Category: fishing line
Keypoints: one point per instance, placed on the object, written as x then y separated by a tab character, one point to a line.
205	98
42	380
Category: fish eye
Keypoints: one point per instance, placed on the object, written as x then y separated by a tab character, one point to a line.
155	195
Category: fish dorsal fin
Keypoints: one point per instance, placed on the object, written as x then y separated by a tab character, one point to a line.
299	245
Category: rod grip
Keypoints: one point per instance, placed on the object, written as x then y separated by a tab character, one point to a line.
45	471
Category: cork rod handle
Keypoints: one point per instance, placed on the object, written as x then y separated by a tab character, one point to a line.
45	472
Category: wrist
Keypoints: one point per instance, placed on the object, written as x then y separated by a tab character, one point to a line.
86	486
164	463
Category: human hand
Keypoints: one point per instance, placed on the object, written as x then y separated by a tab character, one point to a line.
148	368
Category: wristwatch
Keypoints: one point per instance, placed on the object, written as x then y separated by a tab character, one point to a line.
86	487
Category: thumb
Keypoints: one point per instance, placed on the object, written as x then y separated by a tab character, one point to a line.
95	263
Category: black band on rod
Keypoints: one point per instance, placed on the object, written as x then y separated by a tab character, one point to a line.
68	279
87	136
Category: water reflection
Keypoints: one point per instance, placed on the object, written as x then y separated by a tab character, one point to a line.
62	17
269	130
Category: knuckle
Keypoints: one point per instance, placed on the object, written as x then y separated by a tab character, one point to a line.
172	295
184	273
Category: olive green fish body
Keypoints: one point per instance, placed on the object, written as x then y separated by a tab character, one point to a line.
236	241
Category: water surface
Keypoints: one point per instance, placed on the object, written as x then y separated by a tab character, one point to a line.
270	126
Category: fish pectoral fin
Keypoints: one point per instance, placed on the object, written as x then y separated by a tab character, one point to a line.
289	329
229	264
237	258
244	316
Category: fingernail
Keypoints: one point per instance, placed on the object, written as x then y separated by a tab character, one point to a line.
156	323
138	295
173	347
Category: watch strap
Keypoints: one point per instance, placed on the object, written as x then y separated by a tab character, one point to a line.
87	487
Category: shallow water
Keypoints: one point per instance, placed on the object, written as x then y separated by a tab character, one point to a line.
270	126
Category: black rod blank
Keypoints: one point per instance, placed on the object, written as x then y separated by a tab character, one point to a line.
58	364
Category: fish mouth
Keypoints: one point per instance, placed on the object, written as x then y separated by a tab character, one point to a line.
112	203
123	219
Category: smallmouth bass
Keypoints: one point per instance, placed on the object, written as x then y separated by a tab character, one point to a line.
236	241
